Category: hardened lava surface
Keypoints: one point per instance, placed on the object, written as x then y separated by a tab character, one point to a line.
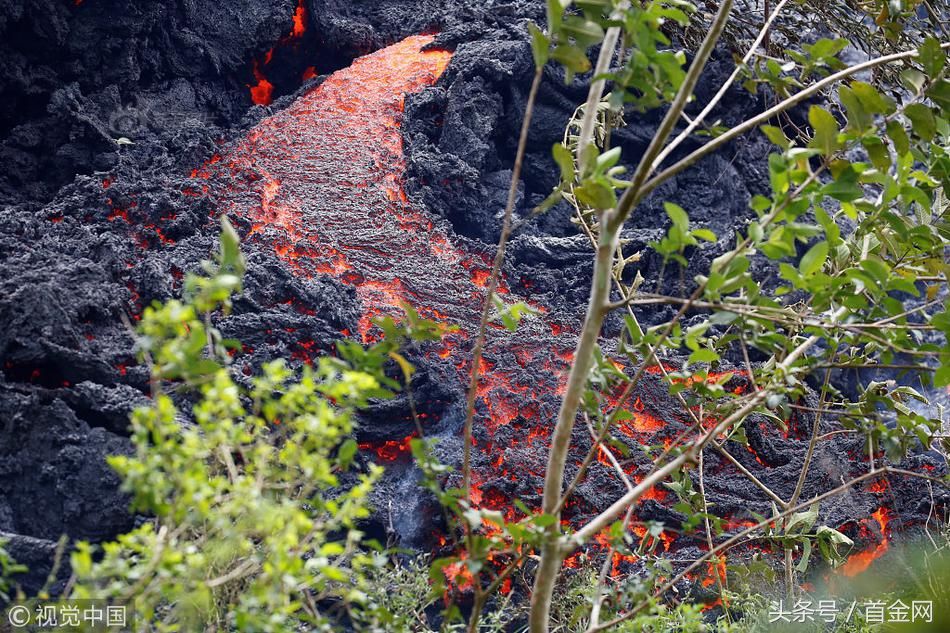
108	109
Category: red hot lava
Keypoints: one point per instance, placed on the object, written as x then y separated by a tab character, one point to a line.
860	561
321	183
324	187
262	91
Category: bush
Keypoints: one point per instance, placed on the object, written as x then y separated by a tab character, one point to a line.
252	498
853	225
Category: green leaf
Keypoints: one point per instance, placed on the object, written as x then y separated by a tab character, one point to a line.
347	452
540	45
802	565
760	203
940	94
806	519
549	202
931	56
776	135
833	535
877	152
843	190
607	160
595	195
942	375
941	321
231	258
922	119
703	355
723	318
585	32
859	119
564	160
814	259
572	57
555	14
677	215
876	268
872	100
407	369
511	315
913	79
825	48
896	131
826	130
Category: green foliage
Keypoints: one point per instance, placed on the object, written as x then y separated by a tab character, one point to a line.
653	71
855	226
679	236
8	569
253	496
511	315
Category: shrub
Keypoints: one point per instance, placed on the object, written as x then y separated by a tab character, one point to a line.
252	500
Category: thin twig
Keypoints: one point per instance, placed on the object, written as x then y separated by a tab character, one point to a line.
483	322
493	285
682	136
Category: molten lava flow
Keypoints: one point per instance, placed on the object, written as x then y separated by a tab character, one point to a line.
327	172
325	189
878	487
300	22
860	561
321	183
390	450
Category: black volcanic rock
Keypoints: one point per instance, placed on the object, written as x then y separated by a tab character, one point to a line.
53	475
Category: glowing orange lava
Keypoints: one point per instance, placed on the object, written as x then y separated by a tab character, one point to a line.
324	187
262	93
300	21
860	561
389	451
321	183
